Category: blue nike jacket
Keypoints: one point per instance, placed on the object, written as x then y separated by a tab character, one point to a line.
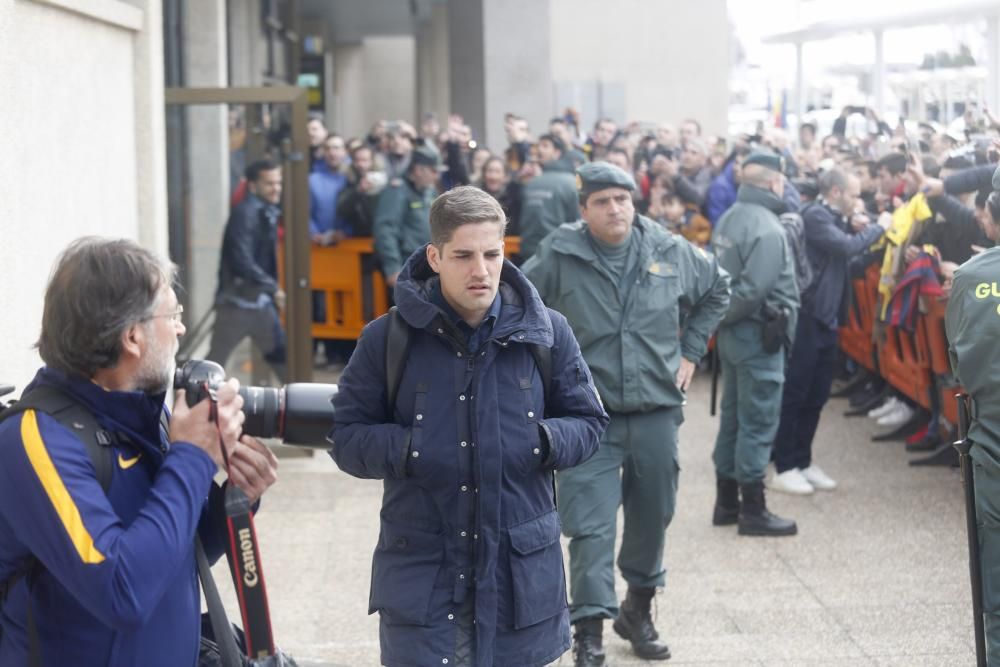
118	583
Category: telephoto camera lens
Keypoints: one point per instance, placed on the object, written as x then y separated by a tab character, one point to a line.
298	414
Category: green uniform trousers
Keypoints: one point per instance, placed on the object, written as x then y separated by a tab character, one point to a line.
636	467
751	403
988	519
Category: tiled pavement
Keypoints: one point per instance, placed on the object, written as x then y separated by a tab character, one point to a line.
877	575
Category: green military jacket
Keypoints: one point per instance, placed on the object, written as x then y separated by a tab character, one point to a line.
751	245
402	223
547	201
972	322
633	346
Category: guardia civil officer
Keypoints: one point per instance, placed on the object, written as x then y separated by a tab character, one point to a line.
753	340
643	304
972	323
402	215
468	571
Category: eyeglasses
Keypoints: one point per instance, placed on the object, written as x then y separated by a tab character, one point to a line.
175	316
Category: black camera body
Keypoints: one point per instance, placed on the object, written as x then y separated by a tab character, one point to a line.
299	414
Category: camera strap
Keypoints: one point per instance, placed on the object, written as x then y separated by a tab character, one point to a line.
245	565
248	576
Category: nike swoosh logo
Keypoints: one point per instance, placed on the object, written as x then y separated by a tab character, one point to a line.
128	463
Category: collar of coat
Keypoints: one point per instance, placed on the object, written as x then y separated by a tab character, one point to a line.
523	316
571	239
751	194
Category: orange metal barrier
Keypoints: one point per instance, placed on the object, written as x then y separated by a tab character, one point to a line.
915	363
337	272
856	336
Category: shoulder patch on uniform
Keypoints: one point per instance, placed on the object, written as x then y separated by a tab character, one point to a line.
416	204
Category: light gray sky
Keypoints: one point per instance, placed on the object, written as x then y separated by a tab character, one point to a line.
754	19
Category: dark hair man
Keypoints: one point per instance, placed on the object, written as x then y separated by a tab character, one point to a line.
248	297
469	567
316	129
752	340
834	235
599	141
109	577
643	304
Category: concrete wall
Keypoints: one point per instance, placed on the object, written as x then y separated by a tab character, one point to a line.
518	64
433	65
467	75
81	94
389	89
374	79
499	62
670	58
205	55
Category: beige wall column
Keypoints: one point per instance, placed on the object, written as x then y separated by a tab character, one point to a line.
682	69
348	77
208	149
433	75
150	132
499	58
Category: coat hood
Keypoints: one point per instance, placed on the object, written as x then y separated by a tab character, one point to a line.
522	313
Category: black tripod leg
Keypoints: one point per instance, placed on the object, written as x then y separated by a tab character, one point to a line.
963	445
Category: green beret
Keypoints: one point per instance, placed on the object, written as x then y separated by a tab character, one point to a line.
425	156
595	176
766	159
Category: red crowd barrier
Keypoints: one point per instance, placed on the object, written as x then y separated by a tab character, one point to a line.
915	363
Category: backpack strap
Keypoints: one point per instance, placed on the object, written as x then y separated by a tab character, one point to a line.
74	416
397	350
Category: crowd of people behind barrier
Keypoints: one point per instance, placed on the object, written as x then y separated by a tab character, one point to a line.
935	180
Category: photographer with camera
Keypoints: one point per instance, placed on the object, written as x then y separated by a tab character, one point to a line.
102	493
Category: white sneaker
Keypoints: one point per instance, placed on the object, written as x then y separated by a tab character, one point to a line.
884	409
791	481
818	479
896	417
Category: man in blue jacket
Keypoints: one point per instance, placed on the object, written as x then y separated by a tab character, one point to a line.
468	570
113	579
834	235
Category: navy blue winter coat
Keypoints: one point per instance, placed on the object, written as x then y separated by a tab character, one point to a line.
468	507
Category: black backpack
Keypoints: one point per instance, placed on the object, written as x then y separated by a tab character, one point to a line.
397	350
794	228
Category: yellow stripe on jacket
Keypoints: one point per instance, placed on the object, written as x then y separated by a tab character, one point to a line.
58	495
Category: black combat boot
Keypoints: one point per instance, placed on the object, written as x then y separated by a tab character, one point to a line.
727	502
754	517
635	624
588	649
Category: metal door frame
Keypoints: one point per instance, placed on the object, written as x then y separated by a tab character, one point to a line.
295	207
